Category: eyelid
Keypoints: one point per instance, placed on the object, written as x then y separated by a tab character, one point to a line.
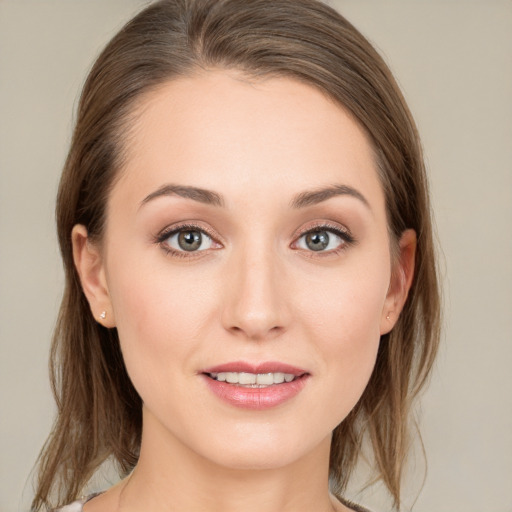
190	225
325	226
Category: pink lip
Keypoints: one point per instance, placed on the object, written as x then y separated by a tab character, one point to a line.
265	367
256	398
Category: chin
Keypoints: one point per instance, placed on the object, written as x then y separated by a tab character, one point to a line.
263	448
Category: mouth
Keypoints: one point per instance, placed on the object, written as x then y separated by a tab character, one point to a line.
254	380
258	386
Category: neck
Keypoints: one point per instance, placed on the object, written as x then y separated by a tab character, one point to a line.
171	477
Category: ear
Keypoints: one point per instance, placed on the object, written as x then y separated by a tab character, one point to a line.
401	280
91	270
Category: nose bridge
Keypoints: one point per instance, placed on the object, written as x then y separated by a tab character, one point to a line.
256	306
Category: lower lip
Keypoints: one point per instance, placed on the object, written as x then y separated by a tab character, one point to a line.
256	398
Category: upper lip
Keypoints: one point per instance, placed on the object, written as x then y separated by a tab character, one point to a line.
263	367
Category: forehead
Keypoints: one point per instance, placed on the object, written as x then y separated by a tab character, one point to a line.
221	130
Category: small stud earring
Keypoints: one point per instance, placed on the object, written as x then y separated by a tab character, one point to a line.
387	317
103	315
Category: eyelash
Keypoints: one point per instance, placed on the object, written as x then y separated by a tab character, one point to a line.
345	236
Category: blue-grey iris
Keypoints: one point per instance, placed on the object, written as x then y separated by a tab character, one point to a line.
317	240
190	240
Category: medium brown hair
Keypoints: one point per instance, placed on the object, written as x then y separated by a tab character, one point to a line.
99	411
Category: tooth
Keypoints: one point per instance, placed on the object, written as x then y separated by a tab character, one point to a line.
265	378
246	378
232	377
250	379
278	378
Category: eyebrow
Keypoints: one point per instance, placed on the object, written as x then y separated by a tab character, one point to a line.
196	194
301	200
312	197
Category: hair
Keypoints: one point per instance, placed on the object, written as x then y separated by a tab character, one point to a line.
99	412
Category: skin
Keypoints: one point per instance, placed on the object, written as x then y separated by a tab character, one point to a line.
257	292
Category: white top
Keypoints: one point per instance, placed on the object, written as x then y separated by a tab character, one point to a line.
78	505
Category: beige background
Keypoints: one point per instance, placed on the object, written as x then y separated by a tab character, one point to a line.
454	62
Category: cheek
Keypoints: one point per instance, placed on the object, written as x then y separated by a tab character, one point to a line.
346	305
344	319
160	320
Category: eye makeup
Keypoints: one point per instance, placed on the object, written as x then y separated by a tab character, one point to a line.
319	230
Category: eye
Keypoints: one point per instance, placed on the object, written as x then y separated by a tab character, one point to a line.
186	239
324	239
319	241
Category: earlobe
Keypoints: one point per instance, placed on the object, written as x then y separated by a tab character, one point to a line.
401	281
90	267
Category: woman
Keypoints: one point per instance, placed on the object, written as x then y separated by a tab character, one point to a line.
251	288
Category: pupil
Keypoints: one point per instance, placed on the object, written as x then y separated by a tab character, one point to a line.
189	240
317	241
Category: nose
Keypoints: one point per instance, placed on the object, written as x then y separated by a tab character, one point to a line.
255	306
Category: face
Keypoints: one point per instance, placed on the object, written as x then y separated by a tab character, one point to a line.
246	245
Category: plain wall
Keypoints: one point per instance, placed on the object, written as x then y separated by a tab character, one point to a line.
453	60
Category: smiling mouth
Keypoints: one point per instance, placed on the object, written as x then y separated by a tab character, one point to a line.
255	386
254	380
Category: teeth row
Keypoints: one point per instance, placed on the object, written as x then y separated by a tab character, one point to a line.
248	379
